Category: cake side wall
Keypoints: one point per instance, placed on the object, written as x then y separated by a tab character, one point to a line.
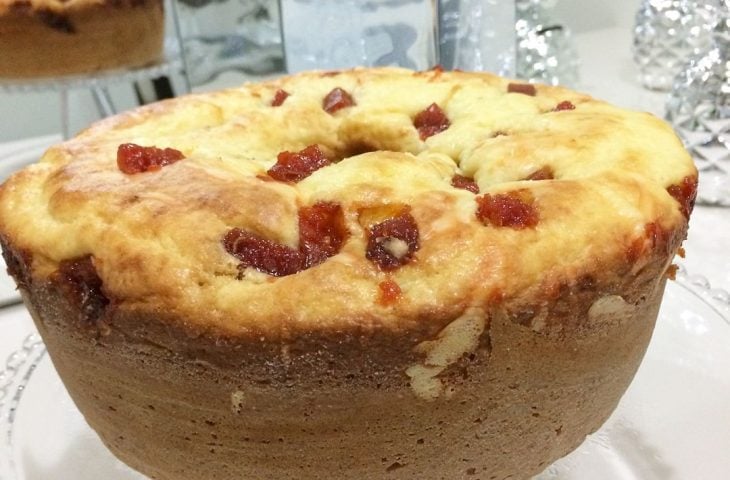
84	40
315	409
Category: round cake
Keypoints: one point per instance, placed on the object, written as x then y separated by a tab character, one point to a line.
42	38
366	274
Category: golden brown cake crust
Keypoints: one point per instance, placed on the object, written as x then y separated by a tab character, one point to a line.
504	348
156	237
42	38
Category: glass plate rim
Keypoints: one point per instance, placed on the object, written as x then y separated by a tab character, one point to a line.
20	364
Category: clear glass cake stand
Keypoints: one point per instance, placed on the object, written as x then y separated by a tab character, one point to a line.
97	83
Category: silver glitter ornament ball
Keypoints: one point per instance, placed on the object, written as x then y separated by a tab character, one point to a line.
666	33
699	109
545	50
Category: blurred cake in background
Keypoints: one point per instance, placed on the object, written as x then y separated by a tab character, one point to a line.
41	38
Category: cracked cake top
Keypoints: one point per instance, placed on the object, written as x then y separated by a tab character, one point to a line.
351	201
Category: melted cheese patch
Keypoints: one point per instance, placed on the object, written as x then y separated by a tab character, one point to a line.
237	399
457	339
609	310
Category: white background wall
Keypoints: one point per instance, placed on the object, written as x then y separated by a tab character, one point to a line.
25	115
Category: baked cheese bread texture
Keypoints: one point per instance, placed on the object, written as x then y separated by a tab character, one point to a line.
351	274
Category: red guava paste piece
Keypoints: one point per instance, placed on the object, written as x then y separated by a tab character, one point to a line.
393	242
564	105
685	193
279	97
431	121
132	158
336	100
388	292
83	286
654	239
295	166
262	254
513	209
322	232
464	183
